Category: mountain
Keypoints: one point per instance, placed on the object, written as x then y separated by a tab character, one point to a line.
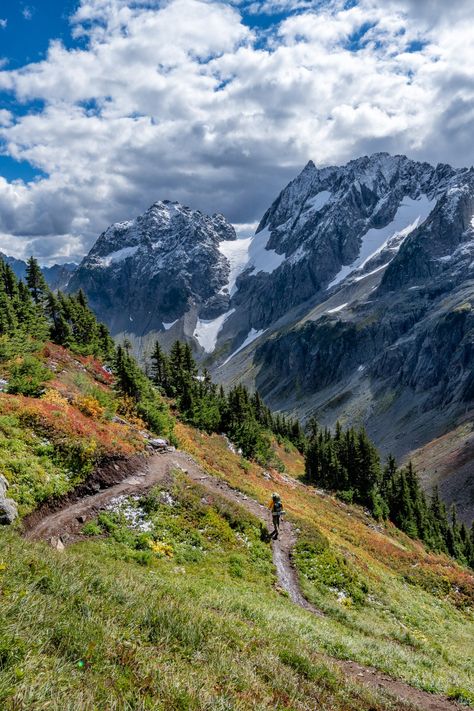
352	301
145	275
56	276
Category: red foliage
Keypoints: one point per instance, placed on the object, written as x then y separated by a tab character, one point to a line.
63	421
60	359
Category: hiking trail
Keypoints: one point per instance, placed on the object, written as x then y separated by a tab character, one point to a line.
65	524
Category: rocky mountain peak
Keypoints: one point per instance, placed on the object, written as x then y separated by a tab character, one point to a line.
156	266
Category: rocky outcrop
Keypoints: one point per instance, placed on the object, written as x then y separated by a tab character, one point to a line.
8	508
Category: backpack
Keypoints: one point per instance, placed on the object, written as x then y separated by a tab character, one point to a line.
277	506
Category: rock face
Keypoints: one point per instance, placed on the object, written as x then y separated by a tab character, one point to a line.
408	322
326	220
144	275
8	508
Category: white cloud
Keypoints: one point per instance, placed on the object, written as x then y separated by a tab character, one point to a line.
3	23
28	12
182	100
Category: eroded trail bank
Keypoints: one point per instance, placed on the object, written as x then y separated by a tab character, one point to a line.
66	523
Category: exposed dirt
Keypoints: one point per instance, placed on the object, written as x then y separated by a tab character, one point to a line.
66	517
60	512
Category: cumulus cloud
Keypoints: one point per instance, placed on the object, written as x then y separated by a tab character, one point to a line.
183	100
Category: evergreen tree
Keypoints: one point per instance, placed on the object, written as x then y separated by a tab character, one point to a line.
160	370
60	332
35	281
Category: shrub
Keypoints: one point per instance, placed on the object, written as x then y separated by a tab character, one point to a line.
53	397
27	377
91	528
89	406
346	496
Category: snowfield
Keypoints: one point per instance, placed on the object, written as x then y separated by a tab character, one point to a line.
206	332
409	215
252	335
237	252
118	256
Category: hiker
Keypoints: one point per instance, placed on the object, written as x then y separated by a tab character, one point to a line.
276	507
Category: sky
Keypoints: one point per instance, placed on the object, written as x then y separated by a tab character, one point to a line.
109	105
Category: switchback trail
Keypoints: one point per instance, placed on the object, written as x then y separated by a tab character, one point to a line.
66	523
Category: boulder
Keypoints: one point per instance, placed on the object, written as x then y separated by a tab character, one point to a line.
8	511
3	485
159	444
56	543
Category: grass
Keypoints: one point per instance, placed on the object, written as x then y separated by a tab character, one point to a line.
96	627
389	603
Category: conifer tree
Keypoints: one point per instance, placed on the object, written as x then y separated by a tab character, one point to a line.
160	369
35	281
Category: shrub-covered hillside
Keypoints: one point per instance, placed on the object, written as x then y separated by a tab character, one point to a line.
62	412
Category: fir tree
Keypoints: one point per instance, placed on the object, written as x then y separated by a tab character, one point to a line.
160	369
35	281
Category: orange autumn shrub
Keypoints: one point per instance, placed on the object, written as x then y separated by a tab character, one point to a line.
89	406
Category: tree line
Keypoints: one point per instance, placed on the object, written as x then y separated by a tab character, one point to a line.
347	463
31	311
238	413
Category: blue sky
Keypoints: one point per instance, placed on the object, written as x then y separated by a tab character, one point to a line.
108	105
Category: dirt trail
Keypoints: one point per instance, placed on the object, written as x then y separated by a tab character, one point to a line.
66	524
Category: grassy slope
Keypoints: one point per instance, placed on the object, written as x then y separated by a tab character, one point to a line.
447	462
203	629
390	604
49	444
187	616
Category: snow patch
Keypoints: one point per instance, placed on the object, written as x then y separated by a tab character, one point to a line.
374	271
338	308
237	252
118	256
167	326
262	259
317	202
206	332
409	215
252	335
